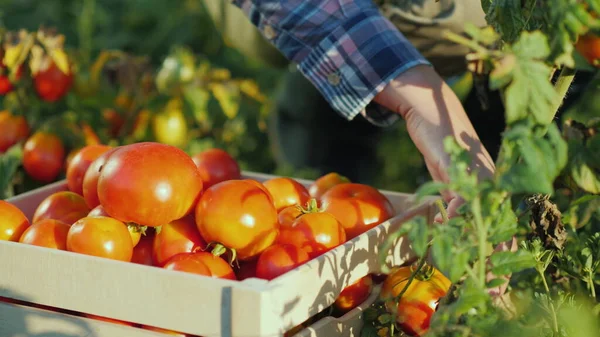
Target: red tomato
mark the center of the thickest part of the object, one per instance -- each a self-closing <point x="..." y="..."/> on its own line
<point x="47" y="233"/>
<point x="358" y="207"/>
<point x="78" y="166"/>
<point x="43" y="156"/>
<point x="114" y="120"/>
<point x="324" y="183"/>
<point x="6" y="85"/>
<point x="215" y="166"/>
<point x="65" y="206"/>
<point x="134" y="230"/>
<point x="588" y="46"/>
<point x="52" y="84"/>
<point x="246" y="269"/>
<point x="100" y="236"/>
<point x="288" y="215"/>
<point x="13" y="223"/>
<point x="142" y="252"/>
<point x="315" y="233"/>
<point x="179" y="236"/>
<point x="354" y="295"/>
<point x="287" y="192"/>
<point x="161" y="181"/>
<point x="261" y="186"/>
<point x="238" y="215"/>
<point x="13" y="129"/>
<point x="278" y="260"/>
<point x="218" y="266"/>
<point x="189" y="263"/>
<point x="420" y="300"/>
<point x="90" y="179"/>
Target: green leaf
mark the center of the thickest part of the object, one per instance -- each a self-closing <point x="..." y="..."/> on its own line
<point x="198" y="98"/>
<point x="496" y="283"/>
<point x="9" y="164"/>
<point x="419" y="237"/>
<point x="506" y="16"/>
<point x="504" y="263"/>
<point x="504" y="224"/>
<point x="428" y="189"/>
<point x="584" y="175"/>
<point x="470" y="297"/>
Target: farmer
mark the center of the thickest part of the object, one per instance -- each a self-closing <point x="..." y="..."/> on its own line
<point x="372" y="66"/>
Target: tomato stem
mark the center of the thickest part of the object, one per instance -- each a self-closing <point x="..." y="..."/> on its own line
<point x="219" y="249"/>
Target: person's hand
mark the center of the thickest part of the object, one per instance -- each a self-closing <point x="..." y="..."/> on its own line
<point x="432" y="112"/>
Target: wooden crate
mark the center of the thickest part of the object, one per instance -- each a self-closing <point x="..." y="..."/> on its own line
<point x="191" y="303"/>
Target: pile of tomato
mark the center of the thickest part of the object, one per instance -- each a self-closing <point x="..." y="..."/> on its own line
<point x="153" y="204"/>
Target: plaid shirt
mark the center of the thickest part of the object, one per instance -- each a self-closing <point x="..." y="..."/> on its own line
<point x="346" y="48"/>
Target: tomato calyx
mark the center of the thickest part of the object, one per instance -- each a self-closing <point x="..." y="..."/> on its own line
<point x="133" y="227"/>
<point x="312" y="206"/>
<point x="218" y="250"/>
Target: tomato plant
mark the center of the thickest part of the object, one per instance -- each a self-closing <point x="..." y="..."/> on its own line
<point x="215" y="166"/>
<point x="178" y="236"/>
<point x="13" y="223"/>
<point x="278" y="259"/>
<point x="43" y="156"/>
<point x="358" y="207"/>
<point x="100" y="236"/>
<point x="287" y="192"/>
<point x="161" y="180"/>
<point x="65" y="206"/>
<point x="81" y="161"/>
<point x="47" y="233"/>
<point x="248" y="212"/>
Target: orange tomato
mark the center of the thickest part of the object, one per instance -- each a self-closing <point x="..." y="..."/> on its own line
<point x="179" y="236"/>
<point x="354" y="295"/>
<point x="13" y="129"/>
<point x="47" y="233"/>
<point x="43" y="156"/>
<point x="134" y="230"/>
<point x="215" y="166"/>
<point x="358" y="207"/>
<point x="100" y="236"/>
<point x="324" y="183"/>
<point x="142" y="252"/>
<point x="65" y="206"/>
<point x="288" y="215"/>
<point x="315" y="233"/>
<point x="13" y="223"/>
<point x="90" y="179"/>
<point x="287" y="192"/>
<point x="189" y="263"/>
<point x="278" y="260"/>
<point x="238" y="215"/>
<point x="218" y="267"/>
<point x="79" y="164"/>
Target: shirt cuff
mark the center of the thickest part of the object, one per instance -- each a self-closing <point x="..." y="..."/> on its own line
<point x="356" y="61"/>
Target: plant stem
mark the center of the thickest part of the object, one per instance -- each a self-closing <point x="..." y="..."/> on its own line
<point x="414" y="274"/>
<point x="554" y="317"/>
<point x="563" y="82"/>
<point x="482" y="240"/>
<point x="590" y="282"/>
<point x="443" y="212"/>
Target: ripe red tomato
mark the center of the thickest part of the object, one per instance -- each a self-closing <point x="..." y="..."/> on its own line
<point x="114" y="120"/>
<point x="215" y="166"/>
<point x="142" y="252"/>
<point x="13" y="129"/>
<point x="588" y="46"/>
<point x="238" y="215"/>
<point x="246" y="269"/>
<point x="179" y="236"/>
<point x="315" y="233"/>
<point x="13" y="223"/>
<point x="90" y="179"/>
<point x="324" y="183"/>
<point x="358" y="207"/>
<point x="278" y="260"/>
<point x="100" y="236"/>
<point x="47" y="233"/>
<point x="65" y="206"/>
<point x="6" y="85"/>
<point x="51" y="84"/>
<point x="420" y="300"/>
<point x="160" y="180"/>
<point x="134" y="230"/>
<point x="287" y="192"/>
<point x="288" y="215"/>
<point x="79" y="164"/>
<point x="354" y="295"/>
<point x="189" y="263"/>
<point x="43" y="156"/>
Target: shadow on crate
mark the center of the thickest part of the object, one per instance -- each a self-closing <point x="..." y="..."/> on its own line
<point x="23" y="318"/>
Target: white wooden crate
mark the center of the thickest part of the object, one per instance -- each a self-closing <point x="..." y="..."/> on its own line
<point x="191" y="303"/>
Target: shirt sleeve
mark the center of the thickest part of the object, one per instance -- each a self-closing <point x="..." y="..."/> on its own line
<point x="345" y="48"/>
